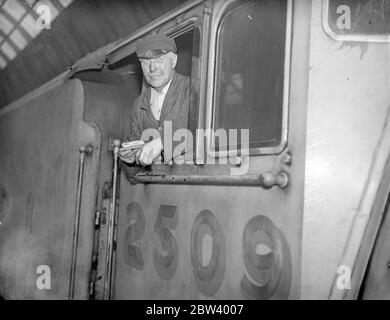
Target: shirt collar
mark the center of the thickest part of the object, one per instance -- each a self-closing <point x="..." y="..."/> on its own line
<point x="163" y="90"/>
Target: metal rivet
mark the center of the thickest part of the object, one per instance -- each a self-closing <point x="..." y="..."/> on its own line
<point x="237" y="161"/>
<point x="287" y="158"/>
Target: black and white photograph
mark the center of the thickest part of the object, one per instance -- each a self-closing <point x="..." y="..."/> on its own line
<point x="194" y="155"/>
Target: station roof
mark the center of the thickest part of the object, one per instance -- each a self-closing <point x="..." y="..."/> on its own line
<point x="18" y="24"/>
<point x="33" y="51"/>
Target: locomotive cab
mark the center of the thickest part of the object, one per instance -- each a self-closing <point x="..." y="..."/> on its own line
<point x="240" y="151"/>
<point x="145" y="227"/>
<point x="261" y="201"/>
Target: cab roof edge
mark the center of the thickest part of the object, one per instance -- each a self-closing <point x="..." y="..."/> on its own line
<point x="152" y="25"/>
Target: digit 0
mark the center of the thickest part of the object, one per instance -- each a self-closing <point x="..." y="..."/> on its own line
<point x="208" y="278"/>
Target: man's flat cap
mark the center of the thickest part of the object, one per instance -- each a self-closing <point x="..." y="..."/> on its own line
<point x="156" y="45"/>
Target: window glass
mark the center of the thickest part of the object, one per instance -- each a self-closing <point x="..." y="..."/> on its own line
<point x="250" y="71"/>
<point x="184" y="44"/>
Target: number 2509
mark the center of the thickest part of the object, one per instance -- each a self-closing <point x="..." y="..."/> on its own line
<point x="274" y="266"/>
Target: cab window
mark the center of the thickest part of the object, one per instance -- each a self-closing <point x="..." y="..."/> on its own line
<point x="250" y="67"/>
<point x="187" y="50"/>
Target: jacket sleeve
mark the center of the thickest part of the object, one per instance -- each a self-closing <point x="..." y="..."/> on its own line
<point x="134" y="131"/>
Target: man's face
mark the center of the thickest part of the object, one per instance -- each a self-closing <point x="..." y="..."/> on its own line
<point x="158" y="71"/>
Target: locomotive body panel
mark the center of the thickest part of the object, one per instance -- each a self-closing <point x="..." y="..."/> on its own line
<point x="346" y="154"/>
<point x="40" y="153"/>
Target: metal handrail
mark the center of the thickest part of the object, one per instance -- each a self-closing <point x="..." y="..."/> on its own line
<point x="107" y="293"/>
<point x="84" y="150"/>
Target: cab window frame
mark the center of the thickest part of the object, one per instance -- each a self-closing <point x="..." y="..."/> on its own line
<point x="196" y="24"/>
<point x="194" y="21"/>
<point x="211" y="105"/>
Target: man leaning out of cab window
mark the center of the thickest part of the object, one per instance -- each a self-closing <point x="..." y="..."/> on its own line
<point x="165" y="99"/>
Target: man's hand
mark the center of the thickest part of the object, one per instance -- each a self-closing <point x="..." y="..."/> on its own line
<point x="149" y="152"/>
<point x="127" y="155"/>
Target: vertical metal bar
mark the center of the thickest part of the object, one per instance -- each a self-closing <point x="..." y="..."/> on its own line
<point x="111" y="224"/>
<point x="85" y="150"/>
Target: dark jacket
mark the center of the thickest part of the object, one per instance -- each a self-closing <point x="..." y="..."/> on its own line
<point x="175" y="108"/>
